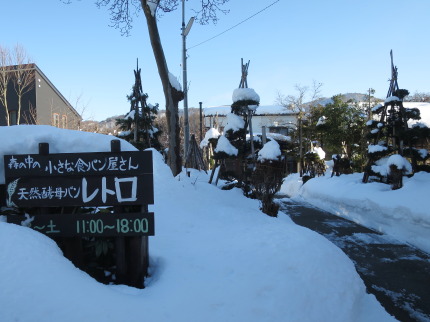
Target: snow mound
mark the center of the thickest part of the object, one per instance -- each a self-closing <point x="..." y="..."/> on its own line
<point x="402" y="213"/>
<point x="372" y="148"/>
<point x="318" y="150"/>
<point x="262" y="269"/>
<point x="234" y="123"/>
<point x="245" y="94"/>
<point x="392" y="99"/>
<point x="225" y="146"/>
<point x="400" y="163"/>
<point x="270" y="151"/>
<point x="212" y="133"/>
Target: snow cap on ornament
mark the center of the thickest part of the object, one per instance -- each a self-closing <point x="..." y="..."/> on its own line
<point x="245" y="94"/>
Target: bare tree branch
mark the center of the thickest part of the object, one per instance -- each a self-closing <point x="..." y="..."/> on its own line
<point x="5" y="76"/>
<point x="23" y="76"/>
<point x="121" y="12"/>
<point x="210" y="10"/>
<point x="316" y="90"/>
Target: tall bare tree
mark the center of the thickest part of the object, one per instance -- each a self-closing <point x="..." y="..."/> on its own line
<point x="23" y="75"/>
<point x="297" y="104"/>
<point x="121" y="17"/>
<point x="5" y="76"/>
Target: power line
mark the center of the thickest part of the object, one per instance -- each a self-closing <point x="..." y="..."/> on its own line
<point x="235" y="25"/>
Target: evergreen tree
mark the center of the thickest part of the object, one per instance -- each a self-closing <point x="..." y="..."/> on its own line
<point x="338" y="126"/>
<point x="391" y="135"/>
<point x="392" y="139"/>
<point x="245" y="102"/>
<point x="258" y="172"/>
<point x="138" y="125"/>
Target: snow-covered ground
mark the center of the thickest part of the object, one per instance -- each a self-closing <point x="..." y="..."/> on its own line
<point x="403" y="214"/>
<point x="214" y="257"/>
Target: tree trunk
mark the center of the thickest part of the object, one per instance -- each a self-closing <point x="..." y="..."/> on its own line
<point x="18" y="117"/>
<point x="3" y="99"/>
<point x="171" y="95"/>
<point x="6" y="109"/>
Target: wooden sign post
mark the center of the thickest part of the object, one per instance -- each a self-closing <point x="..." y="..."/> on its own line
<point x="97" y="179"/>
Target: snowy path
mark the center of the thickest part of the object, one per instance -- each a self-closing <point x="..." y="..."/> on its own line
<point x="397" y="274"/>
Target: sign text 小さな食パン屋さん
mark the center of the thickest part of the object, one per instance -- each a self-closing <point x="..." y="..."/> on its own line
<point x="79" y="179"/>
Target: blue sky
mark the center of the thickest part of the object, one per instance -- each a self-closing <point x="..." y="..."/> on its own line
<point x="341" y="43"/>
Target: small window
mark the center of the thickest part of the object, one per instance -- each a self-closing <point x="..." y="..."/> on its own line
<point x="280" y="130"/>
<point x="64" y="121"/>
<point x="56" y="120"/>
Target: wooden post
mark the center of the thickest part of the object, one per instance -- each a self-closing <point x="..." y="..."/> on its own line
<point x="115" y="146"/>
<point x="43" y="148"/>
<point x="213" y="171"/>
<point x="263" y="130"/>
<point x="145" y="248"/>
<point x="72" y="246"/>
<point x="132" y="256"/>
<point x="120" y="256"/>
<point x="251" y="134"/>
<point x="138" y="258"/>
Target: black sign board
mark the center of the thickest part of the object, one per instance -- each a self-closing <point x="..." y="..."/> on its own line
<point x="79" y="179"/>
<point x="64" y="225"/>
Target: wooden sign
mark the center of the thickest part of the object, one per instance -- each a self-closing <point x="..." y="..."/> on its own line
<point x="117" y="178"/>
<point x="64" y="225"/>
<point x="79" y="179"/>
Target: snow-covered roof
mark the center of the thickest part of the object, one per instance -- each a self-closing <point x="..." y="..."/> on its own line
<point x="261" y="110"/>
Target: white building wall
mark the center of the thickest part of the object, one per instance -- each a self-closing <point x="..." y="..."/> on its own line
<point x="266" y="115"/>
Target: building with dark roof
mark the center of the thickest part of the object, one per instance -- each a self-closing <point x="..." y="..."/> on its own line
<point x="41" y="103"/>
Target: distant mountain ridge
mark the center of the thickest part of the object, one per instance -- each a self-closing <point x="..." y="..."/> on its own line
<point x="107" y="126"/>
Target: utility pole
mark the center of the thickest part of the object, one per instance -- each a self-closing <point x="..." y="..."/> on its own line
<point x="300" y="147"/>
<point x="185" y="31"/>
<point x="201" y="122"/>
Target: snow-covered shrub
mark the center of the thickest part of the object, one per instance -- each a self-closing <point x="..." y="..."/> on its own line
<point x="224" y="149"/>
<point x="397" y="166"/>
<point x="341" y="165"/>
<point x="267" y="177"/>
<point x="314" y="164"/>
<point x="242" y="98"/>
<point x="270" y="152"/>
<point x="211" y="134"/>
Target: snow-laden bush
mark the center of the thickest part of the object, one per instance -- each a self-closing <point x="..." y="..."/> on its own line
<point x="270" y="152"/>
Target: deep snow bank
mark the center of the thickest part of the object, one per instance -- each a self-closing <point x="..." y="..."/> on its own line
<point x="401" y="213"/>
<point x="214" y="257"/>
